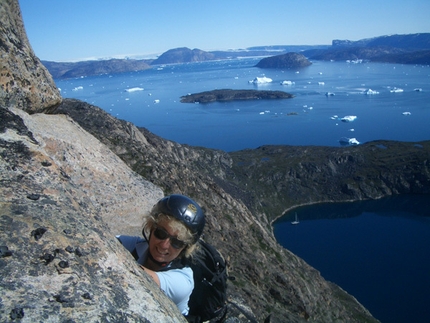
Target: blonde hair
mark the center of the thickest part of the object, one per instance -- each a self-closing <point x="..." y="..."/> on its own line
<point x="184" y="234"/>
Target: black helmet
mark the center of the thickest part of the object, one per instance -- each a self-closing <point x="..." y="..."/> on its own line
<point x="183" y="209"/>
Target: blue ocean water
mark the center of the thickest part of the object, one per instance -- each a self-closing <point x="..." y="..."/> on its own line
<point x="151" y="99"/>
<point x="377" y="251"/>
<point x="238" y="125"/>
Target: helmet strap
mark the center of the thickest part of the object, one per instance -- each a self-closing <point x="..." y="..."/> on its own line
<point x="158" y="263"/>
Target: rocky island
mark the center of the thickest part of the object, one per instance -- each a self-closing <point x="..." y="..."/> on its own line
<point x="231" y="95"/>
<point x="289" y="60"/>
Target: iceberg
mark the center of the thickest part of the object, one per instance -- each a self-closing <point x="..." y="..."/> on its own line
<point x="156" y="101"/>
<point x="78" y="88"/>
<point x="287" y="83"/>
<point x="261" y="80"/>
<point x="348" y="118"/>
<point x="406" y="113"/>
<point x="134" y="89"/>
<point x="418" y="89"/>
<point x="396" y="90"/>
<point x="329" y="94"/>
<point x="371" y="92"/>
<point x="348" y="141"/>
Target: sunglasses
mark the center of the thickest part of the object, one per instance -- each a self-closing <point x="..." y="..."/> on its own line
<point x="162" y="234"/>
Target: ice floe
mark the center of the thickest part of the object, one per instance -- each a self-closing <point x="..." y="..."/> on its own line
<point x="287" y="83"/>
<point x="261" y="80"/>
<point x="349" y="141"/>
<point x="348" y="118"/>
<point x="134" y="89"/>
<point x="370" y="92"/>
<point x="396" y="90"/>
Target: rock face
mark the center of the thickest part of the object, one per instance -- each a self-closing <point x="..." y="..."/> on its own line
<point x="232" y="95"/>
<point x="59" y="259"/>
<point x="289" y="60"/>
<point x="25" y="82"/>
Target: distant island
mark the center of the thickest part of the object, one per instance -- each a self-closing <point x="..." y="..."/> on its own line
<point x="231" y="95"/>
<point x="400" y="49"/>
<point x="289" y="60"/>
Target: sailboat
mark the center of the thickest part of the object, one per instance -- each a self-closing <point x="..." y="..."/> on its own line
<point x="296" y="221"/>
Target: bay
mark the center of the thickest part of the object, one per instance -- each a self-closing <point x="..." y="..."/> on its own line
<point x="307" y="119"/>
<point x="375" y="250"/>
<point x="151" y="99"/>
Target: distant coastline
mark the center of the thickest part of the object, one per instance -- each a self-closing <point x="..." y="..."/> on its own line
<point x="401" y="49"/>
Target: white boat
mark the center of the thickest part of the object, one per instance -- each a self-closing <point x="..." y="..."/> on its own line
<point x="296" y="221"/>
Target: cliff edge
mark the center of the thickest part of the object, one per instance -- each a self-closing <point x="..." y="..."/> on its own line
<point x="25" y="82"/>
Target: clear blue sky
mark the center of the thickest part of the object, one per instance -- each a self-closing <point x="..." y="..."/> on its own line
<point x="66" y="30"/>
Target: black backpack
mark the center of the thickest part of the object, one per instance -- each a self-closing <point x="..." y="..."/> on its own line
<point x="209" y="297"/>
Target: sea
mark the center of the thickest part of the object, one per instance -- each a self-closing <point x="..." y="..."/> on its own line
<point x="375" y="252"/>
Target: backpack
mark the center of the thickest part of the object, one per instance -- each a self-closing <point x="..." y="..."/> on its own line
<point x="209" y="297"/>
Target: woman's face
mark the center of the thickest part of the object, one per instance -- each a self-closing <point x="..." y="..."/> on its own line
<point x="162" y="250"/>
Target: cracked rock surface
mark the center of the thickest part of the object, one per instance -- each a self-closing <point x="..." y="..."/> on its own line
<point x="59" y="258"/>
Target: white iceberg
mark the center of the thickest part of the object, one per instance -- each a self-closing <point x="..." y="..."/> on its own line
<point x="287" y="83"/>
<point x="156" y="101"/>
<point x="334" y="117"/>
<point x="329" y="94"/>
<point x="396" y="90"/>
<point x="349" y="141"/>
<point x="134" y="89"/>
<point x="261" y="80"/>
<point x="371" y="92"/>
<point x="321" y="83"/>
<point x="78" y="88"/>
<point x="406" y="113"/>
<point x="348" y="118"/>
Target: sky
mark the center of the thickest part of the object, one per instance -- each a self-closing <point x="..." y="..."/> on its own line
<point x="74" y="30"/>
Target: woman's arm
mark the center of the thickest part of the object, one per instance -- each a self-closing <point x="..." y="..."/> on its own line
<point x="153" y="274"/>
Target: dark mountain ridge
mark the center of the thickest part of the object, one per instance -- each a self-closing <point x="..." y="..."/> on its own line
<point x="410" y="42"/>
<point x="401" y="49"/>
